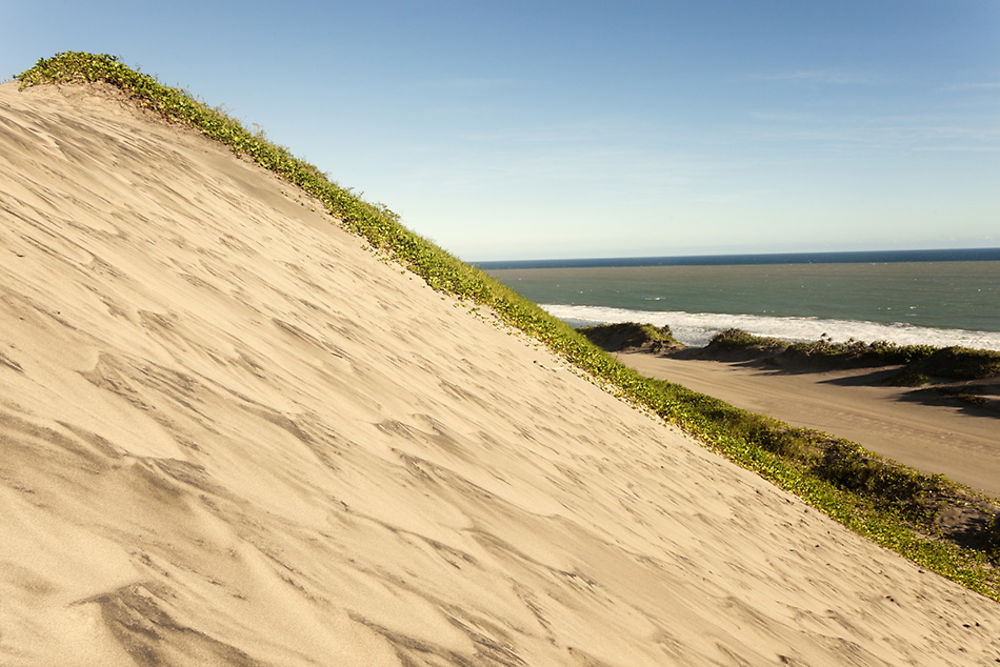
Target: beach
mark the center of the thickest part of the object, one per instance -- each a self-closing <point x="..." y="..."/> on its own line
<point x="940" y="303"/>
<point x="959" y="441"/>
<point x="233" y="434"/>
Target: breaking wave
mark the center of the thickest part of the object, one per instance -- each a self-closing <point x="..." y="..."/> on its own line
<point x="698" y="328"/>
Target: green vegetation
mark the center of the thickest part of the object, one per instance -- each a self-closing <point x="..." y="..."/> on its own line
<point x="920" y="361"/>
<point x="631" y="335"/>
<point x="853" y="352"/>
<point x="961" y="363"/>
<point x="737" y="339"/>
<point x="908" y="378"/>
<point x="893" y="505"/>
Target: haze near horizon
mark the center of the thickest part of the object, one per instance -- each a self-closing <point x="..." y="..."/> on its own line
<point x="524" y="130"/>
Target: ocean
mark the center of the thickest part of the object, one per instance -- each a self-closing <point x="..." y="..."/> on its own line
<point x="940" y="297"/>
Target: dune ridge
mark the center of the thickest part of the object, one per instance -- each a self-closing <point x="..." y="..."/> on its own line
<point x="232" y="435"/>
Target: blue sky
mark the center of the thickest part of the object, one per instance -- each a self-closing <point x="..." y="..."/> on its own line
<point x="510" y="130"/>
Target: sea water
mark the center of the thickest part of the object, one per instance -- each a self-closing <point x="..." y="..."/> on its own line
<point x="921" y="297"/>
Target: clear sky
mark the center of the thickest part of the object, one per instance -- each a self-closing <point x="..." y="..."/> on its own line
<point x="545" y="129"/>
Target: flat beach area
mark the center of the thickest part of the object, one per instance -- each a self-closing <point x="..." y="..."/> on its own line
<point x="961" y="442"/>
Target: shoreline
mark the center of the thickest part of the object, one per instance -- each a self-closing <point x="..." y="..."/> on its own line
<point x="957" y="441"/>
<point x="696" y="329"/>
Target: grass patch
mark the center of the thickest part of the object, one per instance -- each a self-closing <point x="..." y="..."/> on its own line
<point x="893" y="505"/>
<point x="908" y="378"/>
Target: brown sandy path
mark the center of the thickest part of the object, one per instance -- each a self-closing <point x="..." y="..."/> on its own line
<point x="230" y="435"/>
<point x="933" y="438"/>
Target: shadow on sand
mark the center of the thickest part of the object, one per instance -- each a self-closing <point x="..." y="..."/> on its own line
<point x="978" y="398"/>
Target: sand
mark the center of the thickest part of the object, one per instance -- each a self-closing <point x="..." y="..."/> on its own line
<point x="960" y="442"/>
<point x="230" y="434"/>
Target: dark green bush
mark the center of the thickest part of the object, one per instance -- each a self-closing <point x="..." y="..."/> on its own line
<point x="886" y="484"/>
<point x="961" y="363"/>
<point x="625" y="335"/>
<point x="908" y="378"/>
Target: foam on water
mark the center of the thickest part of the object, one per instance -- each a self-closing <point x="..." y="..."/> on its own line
<point x="698" y="328"/>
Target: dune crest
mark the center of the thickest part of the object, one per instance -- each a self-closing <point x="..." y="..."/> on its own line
<point x="230" y="434"/>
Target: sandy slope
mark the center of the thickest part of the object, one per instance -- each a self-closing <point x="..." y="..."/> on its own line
<point x="231" y="435"/>
<point x="960" y="443"/>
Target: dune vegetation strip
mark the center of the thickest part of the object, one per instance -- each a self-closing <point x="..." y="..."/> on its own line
<point x="918" y="361"/>
<point x="895" y="506"/>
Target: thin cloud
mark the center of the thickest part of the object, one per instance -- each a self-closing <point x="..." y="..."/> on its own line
<point x="917" y="131"/>
<point x="816" y="76"/>
<point x="555" y="134"/>
<point x="465" y="83"/>
<point x="970" y="148"/>
<point x="974" y="86"/>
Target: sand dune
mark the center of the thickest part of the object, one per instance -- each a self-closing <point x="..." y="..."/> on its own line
<point x="231" y="435"/>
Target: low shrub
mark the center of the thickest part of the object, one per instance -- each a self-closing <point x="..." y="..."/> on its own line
<point x="628" y="335"/>
<point x="961" y="363"/>
<point x="908" y="378"/>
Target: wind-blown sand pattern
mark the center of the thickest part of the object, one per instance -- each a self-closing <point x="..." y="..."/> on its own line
<point x="230" y="434"/>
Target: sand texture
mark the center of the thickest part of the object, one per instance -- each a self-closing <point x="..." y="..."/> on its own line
<point x="963" y="443"/>
<point x="230" y="435"/>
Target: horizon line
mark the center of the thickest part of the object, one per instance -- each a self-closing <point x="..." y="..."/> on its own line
<point x="824" y="256"/>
